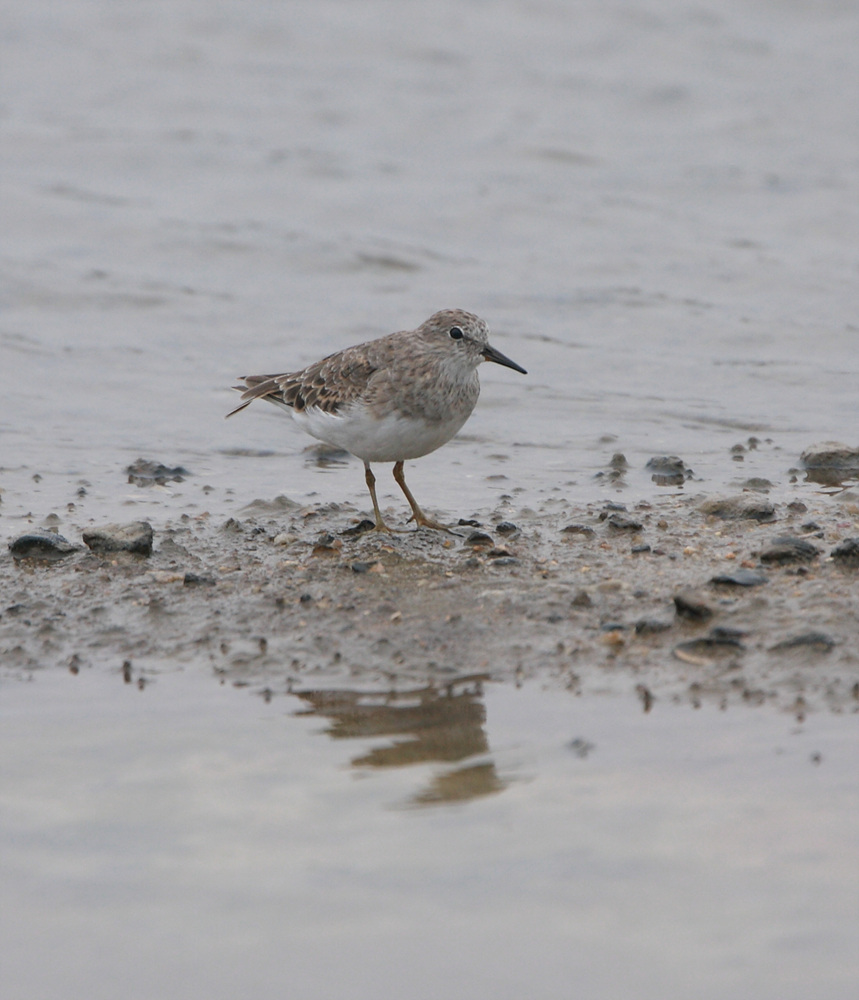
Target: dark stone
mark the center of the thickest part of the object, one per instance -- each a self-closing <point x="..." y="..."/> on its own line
<point x="820" y="642"/>
<point x="41" y="546"/>
<point x="726" y="632"/>
<point x="359" y="528"/>
<point x="468" y="522"/>
<point x="479" y="538"/>
<point x="582" y="600"/>
<point x="741" y="508"/>
<point x="651" y="626"/>
<point x="637" y="549"/>
<point x="668" y="470"/>
<point x="279" y="505"/>
<point x="665" y="463"/>
<point x="692" y="607"/>
<point x="621" y="522"/>
<point x="506" y="528"/>
<point x="831" y="455"/>
<point x="786" y="549"/>
<point x="611" y="506"/>
<point x="146" y="473"/>
<point x="578" y="529"/>
<point x="327" y="545"/>
<point x="134" y="537"/>
<point x="830" y="463"/>
<point x="847" y="552"/>
<point x="710" y="644"/>
<point x="645" y="696"/>
<point x="581" y="748"/>
<point x="740" y="578"/>
<point x="195" y="580"/>
<point x="757" y="483"/>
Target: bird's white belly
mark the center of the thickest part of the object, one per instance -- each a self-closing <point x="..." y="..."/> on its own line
<point x="390" y="438"/>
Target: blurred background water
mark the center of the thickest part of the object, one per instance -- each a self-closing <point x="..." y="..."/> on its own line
<point x="655" y="206"/>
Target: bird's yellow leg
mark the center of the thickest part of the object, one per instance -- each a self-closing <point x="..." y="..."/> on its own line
<point x="371" y="486"/>
<point x="418" y="516"/>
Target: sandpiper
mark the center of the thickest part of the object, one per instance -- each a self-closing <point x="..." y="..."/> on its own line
<point x="389" y="400"/>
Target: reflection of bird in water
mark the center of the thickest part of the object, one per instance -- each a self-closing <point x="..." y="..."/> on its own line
<point x="436" y="726"/>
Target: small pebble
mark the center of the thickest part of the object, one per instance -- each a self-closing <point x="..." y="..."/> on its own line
<point x="479" y="538"/>
<point x="581" y="748"/>
<point x="740" y="578"/>
<point x="651" y="626"/>
<point x="357" y="529"/>
<point x="364" y="567"/>
<point x="741" y="508"/>
<point x="620" y="522"/>
<point x="41" y="546"/>
<point x="135" y="537"/>
<point x="690" y="606"/>
<point x="578" y="529"/>
<point x="786" y="548"/>
<point x="818" y="641"/>
<point x="847" y="552"/>
<point x="146" y="473"/>
<point x="668" y="470"/>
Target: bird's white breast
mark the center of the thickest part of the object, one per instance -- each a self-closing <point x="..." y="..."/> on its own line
<point x="389" y="438"/>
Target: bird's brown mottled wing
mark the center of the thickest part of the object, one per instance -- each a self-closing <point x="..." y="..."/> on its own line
<point x="327" y="385"/>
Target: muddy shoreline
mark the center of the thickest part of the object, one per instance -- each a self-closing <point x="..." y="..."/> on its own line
<point x="596" y="598"/>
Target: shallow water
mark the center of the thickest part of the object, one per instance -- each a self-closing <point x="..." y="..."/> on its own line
<point x="195" y="834"/>
<point x="656" y="208"/>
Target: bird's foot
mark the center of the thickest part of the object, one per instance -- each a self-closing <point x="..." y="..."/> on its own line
<point x="422" y="521"/>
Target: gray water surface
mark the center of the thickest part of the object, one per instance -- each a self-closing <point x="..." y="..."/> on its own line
<point x="191" y="840"/>
<point x="655" y="206"/>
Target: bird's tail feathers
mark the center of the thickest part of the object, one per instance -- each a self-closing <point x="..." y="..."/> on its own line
<point x="256" y="387"/>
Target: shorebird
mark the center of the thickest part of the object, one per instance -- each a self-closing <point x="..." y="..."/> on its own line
<point x="390" y="400"/>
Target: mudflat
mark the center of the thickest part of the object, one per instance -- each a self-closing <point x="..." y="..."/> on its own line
<point x="690" y="598"/>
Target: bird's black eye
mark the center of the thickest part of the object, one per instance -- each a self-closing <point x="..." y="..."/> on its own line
<point x="456" y="333"/>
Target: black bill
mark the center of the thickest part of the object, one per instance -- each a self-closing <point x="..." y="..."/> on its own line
<point x="490" y="354"/>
